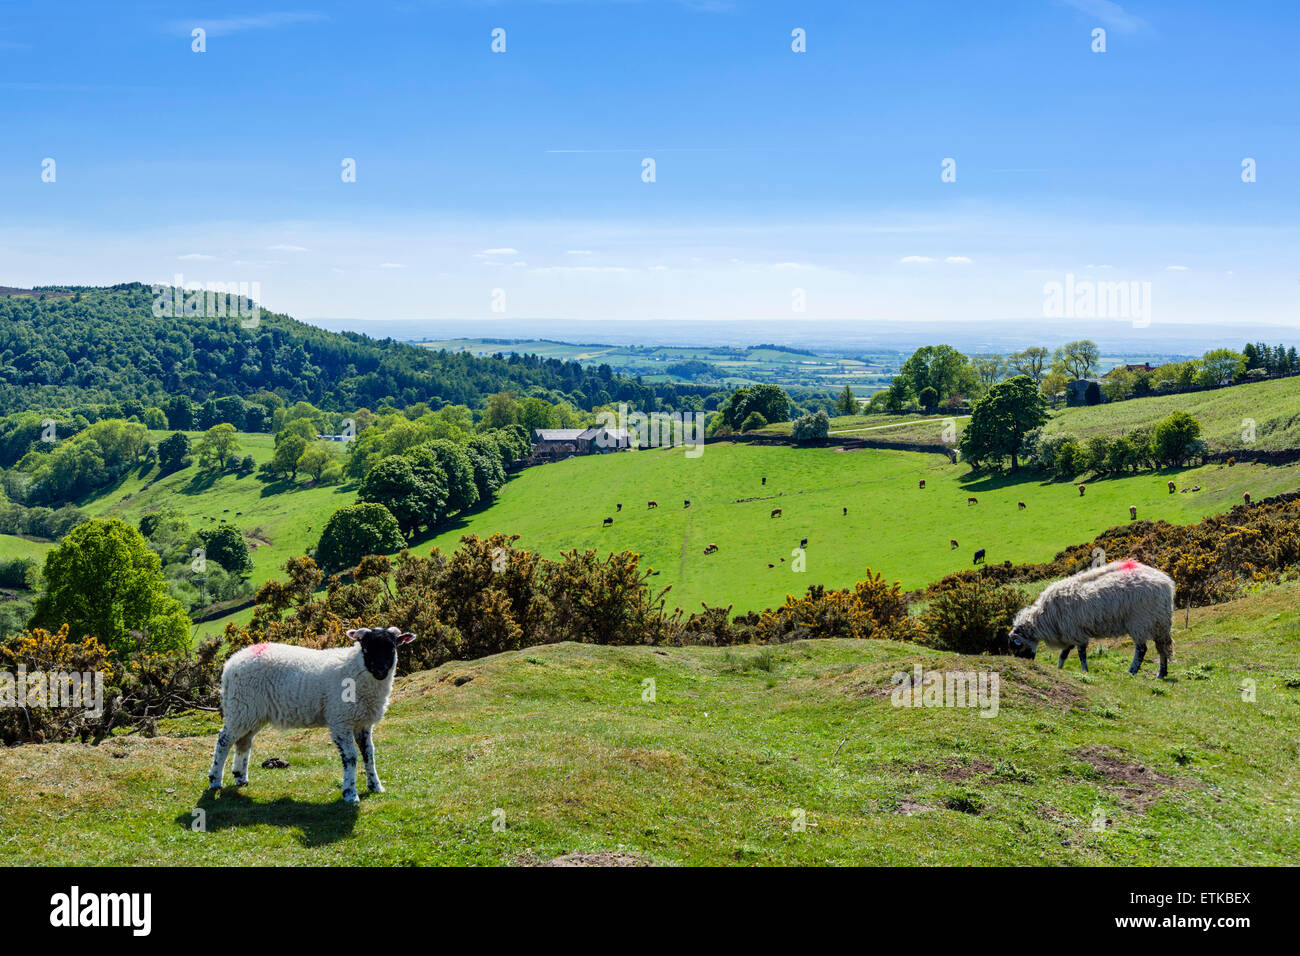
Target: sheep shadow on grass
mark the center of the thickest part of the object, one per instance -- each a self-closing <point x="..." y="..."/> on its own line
<point x="317" y="823"/>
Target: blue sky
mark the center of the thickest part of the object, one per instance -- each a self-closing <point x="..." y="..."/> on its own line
<point x="776" y="171"/>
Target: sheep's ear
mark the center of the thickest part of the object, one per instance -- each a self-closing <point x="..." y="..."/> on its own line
<point x="355" y="633"/>
<point x="406" y="638"/>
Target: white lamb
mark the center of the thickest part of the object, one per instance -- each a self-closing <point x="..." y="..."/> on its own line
<point x="1123" y="597"/>
<point x="343" y="688"/>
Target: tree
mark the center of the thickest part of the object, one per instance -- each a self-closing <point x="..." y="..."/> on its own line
<point x="218" y="444"/>
<point x="940" y="367"/>
<point x="989" y="368"/>
<point x="1000" y="420"/>
<point x="811" y="427"/>
<point x="1176" y="439"/>
<point x="1053" y="384"/>
<point x="450" y="459"/>
<point x="488" y="458"/>
<point x="1222" y="366"/>
<point x="103" y="580"/>
<point x="752" y="422"/>
<point x="1078" y="359"/>
<point x="314" y="460"/>
<point x="288" y="450"/>
<point x="770" y="402"/>
<point x="899" y="394"/>
<point x="172" y="451"/>
<point x="414" y="499"/>
<point x="356" y="531"/>
<point x="846" y="404"/>
<point x="1031" y="362"/>
<point x="929" y="399"/>
<point x="226" y="546"/>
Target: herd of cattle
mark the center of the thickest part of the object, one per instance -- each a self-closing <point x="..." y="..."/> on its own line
<point x="979" y="557"/>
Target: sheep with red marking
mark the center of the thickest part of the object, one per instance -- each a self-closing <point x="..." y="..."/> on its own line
<point x="342" y="688"/>
<point x="1123" y="597"/>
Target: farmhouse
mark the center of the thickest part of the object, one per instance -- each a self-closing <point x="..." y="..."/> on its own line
<point x="1083" y="391"/>
<point x="553" y="444"/>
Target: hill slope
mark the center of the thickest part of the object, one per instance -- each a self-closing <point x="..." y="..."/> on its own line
<point x="557" y="743"/>
<point x="892" y="526"/>
<point x="67" y="346"/>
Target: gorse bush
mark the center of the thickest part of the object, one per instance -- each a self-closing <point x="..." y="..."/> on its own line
<point x="972" y="616"/>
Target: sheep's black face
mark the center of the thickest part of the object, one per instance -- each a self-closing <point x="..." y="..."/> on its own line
<point x="379" y="648"/>
<point x="1022" y="642"/>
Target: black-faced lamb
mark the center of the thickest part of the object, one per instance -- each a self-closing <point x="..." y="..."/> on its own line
<point x="1123" y="597"/>
<point x="343" y="688"/>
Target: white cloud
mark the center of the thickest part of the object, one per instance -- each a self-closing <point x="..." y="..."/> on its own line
<point x="1109" y="13"/>
<point x="264" y="21"/>
<point x="1175" y="268"/>
<point x="392" y="265"/>
<point x="503" y="251"/>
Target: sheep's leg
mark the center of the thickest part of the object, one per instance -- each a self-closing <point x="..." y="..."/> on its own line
<point x="1060" y="661"/>
<point x="1139" y="652"/>
<point x="366" y="744"/>
<point x="348" y="751"/>
<point x="1165" y="647"/>
<point x="243" y="753"/>
<point x="1083" y="658"/>
<point x="224" y="740"/>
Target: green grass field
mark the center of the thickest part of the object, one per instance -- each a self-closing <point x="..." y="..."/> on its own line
<point x="558" y="744"/>
<point x="892" y="526"/>
<point x="1273" y="406"/>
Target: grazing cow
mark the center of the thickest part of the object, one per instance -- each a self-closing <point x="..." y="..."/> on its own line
<point x="1132" y="512"/>
<point x="652" y="504"/>
<point x="776" y="513"/>
<point x="771" y="565"/>
<point x="1196" y="487"/>
<point x="619" y="506"/>
<point x="710" y="549"/>
<point x="1082" y="488"/>
<point x="686" y="503"/>
<point x="972" y="501"/>
<point x="1171" y="487"/>
<point x="1020" y="505"/>
<point x="979" y="556"/>
<point x="607" y="522"/>
<point x="952" y="544"/>
<point x="803" y="543"/>
<point x="1246" y="497"/>
<point x="846" y="510"/>
<point x="765" y="479"/>
<point x="922" y="485"/>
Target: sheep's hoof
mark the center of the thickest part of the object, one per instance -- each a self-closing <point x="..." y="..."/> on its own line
<point x="241" y="783"/>
<point x="214" y="784"/>
<point x="351" y="797"/>
<point x="376" y="787"/>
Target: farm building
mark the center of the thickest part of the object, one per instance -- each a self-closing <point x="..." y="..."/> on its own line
<point x="552" y="444"/>
<point x="1083" y="391"/>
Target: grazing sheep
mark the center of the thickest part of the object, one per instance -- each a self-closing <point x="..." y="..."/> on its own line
<point x="1246" y="497"/>
<point x="1132" y="512"/>
<point x="972" y="501"/>
<point x="776" y="513"/>
<point x="343" y="688"/>
<point x="1196" y="487"/>
<point x="979" y="557"/>
<point x="803" y="543"/>
<point x="1123" y="597"/>
<point x="607" y="522"/>
<point x="952" y="544"/>
<point x="1082" y="488"/>
<point x="1172" y="487"/>
<point x="652" y="504"/>
<point x="922" y="485"/>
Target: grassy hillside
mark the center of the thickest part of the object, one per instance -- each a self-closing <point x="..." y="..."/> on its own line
<point x="559" y="740"/>
<point x="1274" y="406"/>
<point x="892" y="526"/>
<point x="15" y="546"/>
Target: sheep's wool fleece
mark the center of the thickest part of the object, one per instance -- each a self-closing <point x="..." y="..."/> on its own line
<point x="289" y="686"/>
<point x="1123" y="597"/>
